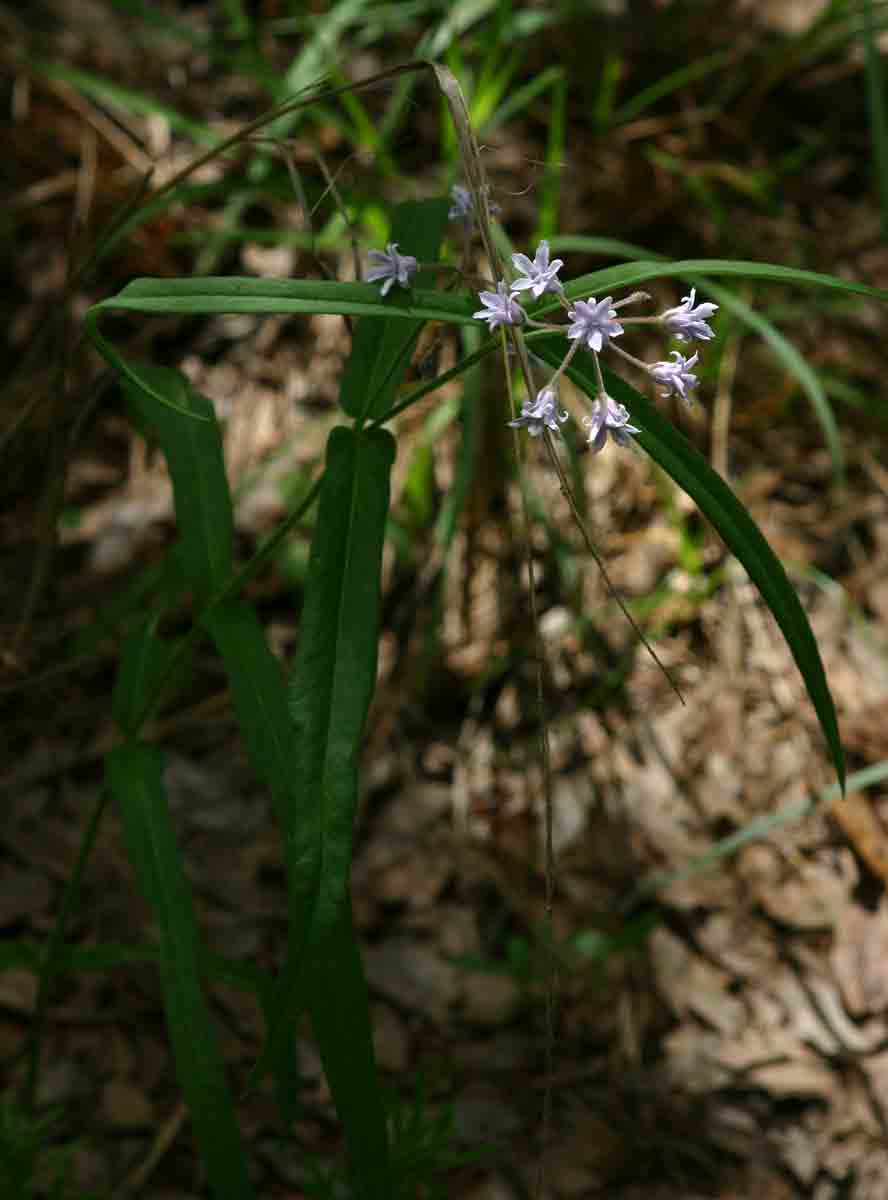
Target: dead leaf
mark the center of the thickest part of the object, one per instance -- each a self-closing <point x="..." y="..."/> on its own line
<point x="859" y="958"/>
<point x="855" y="816"/>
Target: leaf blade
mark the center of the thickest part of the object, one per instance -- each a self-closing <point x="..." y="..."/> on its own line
<point x="331" y="685"/>
<point x="193" y="451"/>
<point x="135" y="780"/>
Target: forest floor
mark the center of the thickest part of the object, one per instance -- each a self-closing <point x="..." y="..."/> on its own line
<point x="721" y="1026"/>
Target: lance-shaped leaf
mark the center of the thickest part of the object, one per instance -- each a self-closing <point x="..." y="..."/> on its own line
<point x="214" y="294"/>
<point x="334" y="672"/>
<point x="259" y="697"/>
<point x="134" y="777"/>
<point x="666" y="446"/>
<point x="193" y="451"/>
<point x="144" y="665"/>
<point x="331" y="686"/>
<point x="336" y="994"/>
<point x="381" y="350"/>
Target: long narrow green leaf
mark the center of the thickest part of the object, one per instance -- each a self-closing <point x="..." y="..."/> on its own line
<point x="336" y="992"/>
<point x="134" y="777"/>
<point x="627" y="274"/>
<point x="203" y="511"/>
<point x="381" y="350"/>
<point x="331" y="686"/>
<point x="193" y="451"/>
<point x="673" y="82"/>
<point x="717" y="502"/>
<point x="128" y="99"/>
<point x="144" y="661"/>
<point x="259" y="696"/>
<point x="210" y="294"/>
<point x="319" y="47"/>
<point x="334" y="672"/>
<point x="222" y="294"/>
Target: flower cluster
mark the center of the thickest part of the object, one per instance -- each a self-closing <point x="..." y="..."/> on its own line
<point x="595" y="325"/>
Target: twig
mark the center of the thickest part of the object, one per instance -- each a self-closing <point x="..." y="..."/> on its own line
<point x="166" y="1135"/>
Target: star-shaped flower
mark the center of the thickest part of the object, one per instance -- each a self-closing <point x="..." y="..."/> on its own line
<point x="594" y="322"/>
<point x="676" y="376"/>
<point x="608" y="417"/>
<point x="500" y="308"/>
<point x="538" y="276"/>
<point x="390" y="267"/>
<point x="540" y="414"/>
<point x="688" y="322"/>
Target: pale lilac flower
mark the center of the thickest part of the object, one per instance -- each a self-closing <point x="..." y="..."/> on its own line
<point x="540" y="414"/>
<point x="594" y="323"/>
<point x="538" y="276"/>
<point x="390" y="267"/>
<point x="688" y="322"/>
<point x="500" y="308"/>
<point x="462" y="205"/>
<point x="676" y="376"/>
<point x="608" y="417"/>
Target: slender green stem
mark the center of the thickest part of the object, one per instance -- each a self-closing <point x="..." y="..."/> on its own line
<point x="432" y="386"/>
<point x="549" y="852"/>
<point x="599" y="562"/>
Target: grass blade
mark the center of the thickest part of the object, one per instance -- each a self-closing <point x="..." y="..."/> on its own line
<point x="757" y="830"/>
<point x="97" y="87"/>
<point x="795" y="364"/>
